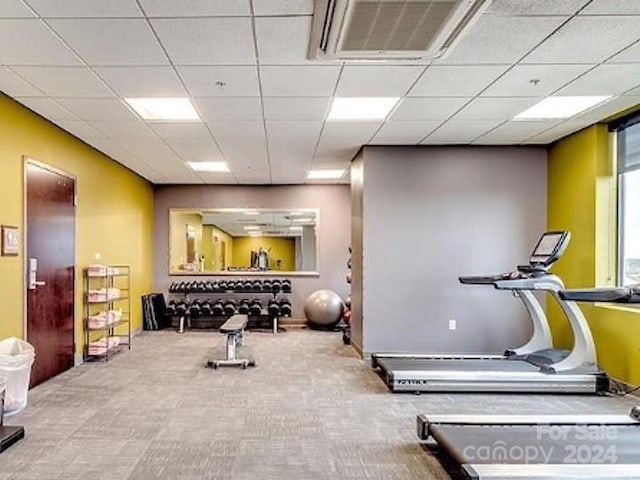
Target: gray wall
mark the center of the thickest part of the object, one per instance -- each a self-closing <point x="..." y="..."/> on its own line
<point x="333" y="228"/>
<point x="431" y="214"/>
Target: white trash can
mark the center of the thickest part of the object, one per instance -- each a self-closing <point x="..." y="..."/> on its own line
<point x="16" y="358"/>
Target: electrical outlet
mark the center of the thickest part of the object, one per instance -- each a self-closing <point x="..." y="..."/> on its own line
<point x="453" y="324"/>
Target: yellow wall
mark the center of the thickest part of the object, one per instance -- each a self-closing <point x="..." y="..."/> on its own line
<point x="114" y="214"/>
<point x="178" y="223"/>
<point x="581" y="198"/>
<point x="282" y="248"/>
<point x="212" y="238"/>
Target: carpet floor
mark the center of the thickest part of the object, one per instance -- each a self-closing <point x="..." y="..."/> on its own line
<point x="310" y="410"/>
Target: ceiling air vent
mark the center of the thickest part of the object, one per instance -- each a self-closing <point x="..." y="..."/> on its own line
<point x="389" y="29"/>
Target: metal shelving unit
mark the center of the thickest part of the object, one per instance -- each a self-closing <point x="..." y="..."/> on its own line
<point x="107" y="311"/>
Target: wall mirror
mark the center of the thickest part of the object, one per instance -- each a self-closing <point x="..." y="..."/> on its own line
<point x="242" y="241"/>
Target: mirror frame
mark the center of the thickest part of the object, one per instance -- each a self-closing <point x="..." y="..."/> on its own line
<point x="226" y="273"/>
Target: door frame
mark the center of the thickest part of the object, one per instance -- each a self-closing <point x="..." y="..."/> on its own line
<point x="27" y="160"/>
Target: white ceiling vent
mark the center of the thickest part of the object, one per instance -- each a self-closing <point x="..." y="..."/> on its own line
<point x="389" y="29"/>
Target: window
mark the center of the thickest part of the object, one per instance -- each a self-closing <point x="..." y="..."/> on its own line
<point x="629" y="202"/>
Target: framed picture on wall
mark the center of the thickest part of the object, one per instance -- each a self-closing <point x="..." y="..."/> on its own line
<point x="10" y="240"/>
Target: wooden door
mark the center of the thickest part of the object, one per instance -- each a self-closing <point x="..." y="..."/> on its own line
<point x="50" y="270"/>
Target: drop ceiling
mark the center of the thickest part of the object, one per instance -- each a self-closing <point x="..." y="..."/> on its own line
<point x="264" y="104"/>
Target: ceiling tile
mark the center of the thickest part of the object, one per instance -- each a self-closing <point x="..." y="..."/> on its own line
<point x="608" y="79"/>
<point x="630" y="55"/>
<point x="534" y="80"/>
<point x="111" y="41"/>
<point x="90" y="109"/>
<point x="460" y="131"/>
<point x="494" y="108"/>
<point x="283" y="40"/>
<point x="204" y="41"/>
<point x="460" y="81"/>
<point x="243" y="143"/>
<point x="514" y="132"/>
<point x="612" y="107"/>
<point x="192" y="141"/>
<point x="47" y="108"/>
<point x="350" y="130"/>
<point x="65" y="81"/>
<point x="195" y="8"/>
<point x="617" y="7"/>
<point x="292" y="140"/>
<point x="537" y="7"/>
<point x="587" y="40"/>
<point x="312" y="81"/>
<point x="85" y="8"/>
<point x="218" y="178"/>
<point x="288" y="131"/>
<point x="239" y="81"/>
<point x="142" y="81"/>
<point x="557" y="132"/>
<point x="229" y="108"/>
<point x="295" y="108"/>
<point x="428" y="108"/>
<point x="14" y="9"/>
<point x="633" y="92"/>
<point x="502" y="39"/>
<point x="80" y="129"/>
<point x="282" y="7"/>
<point x="374" y="81"/>
<point x="403" y="133"/>
<point x="334" y="152"/>
<point x="30" y="42"/>
<point x="14" y="86"/>
<point x="124" y="130"/>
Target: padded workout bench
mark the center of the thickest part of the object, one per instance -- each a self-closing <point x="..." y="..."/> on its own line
<point x="234" y="329"/>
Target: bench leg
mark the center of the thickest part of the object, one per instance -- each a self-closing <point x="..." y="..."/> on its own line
<point x="232" y="341"/>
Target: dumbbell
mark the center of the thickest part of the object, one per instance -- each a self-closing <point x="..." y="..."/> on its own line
<point x="216" y="286"/>
<point x="171" y="308"/>
<point x="208" y="286"/>
<point x="347" y="302"/>
<point x="256" y="307"/>
<point x="194" y="309"/>
<point x="230" y="307"/>
<point x="231" y="285"/>
<point x="181" y="308"/>
<point x="243" y="308"/>
<point x="256" y="286"/>
<point x="285" y="308"/>
<point x="276" y="286"/>
<point x="273" y="308"/>
<point x="218" y="308"/>
<point x="286" y="286"/>
<point x="206" y="309"/>
<point x="246" y="286"/>
<point x="349" y="263"/>
<point x="349" y="276"/>
<point x="266" y="286"/>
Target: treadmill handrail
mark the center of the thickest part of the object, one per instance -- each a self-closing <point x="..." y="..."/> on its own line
<point x="605" y="294"/>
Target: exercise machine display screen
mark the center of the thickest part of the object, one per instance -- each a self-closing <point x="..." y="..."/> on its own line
<point x="548" y="245"/>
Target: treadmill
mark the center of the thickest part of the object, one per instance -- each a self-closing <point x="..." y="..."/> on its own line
<point x="500" y="447"/>
<point x="533" y="368"/>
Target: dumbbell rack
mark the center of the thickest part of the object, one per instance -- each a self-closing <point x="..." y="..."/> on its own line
<point x="214" y="321"/>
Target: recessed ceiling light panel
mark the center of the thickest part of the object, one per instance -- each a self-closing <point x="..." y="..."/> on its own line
<point x="164" y="109"/>
<point x="561" y="107"/>
<point x="219" y="167"/>
<point x="334" y="174"/>
<point x="361" y="108"/>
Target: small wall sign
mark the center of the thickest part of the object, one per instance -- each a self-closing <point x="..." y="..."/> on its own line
<point x="10" y="241"/>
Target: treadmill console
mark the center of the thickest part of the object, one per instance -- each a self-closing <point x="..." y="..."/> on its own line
<point x="549" y="248"/>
